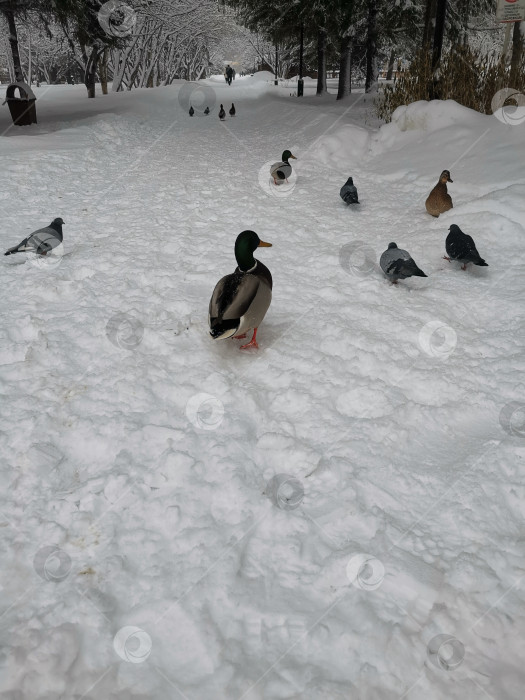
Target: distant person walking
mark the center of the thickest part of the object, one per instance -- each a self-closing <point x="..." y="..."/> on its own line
<point x="233" y="73"/>
<point x="229" y="74"/>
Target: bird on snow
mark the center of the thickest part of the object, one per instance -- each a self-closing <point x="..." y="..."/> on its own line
<point x="41" y="241"/>
<point x="348" y="192"/>
<point x="192" y="111"/>
<point x="439" y="200"/>
<point x="232" y="110"/>
<point x="222" y="114"/>
<point x="282" y="170"/>
<point x="240" y="301"/>
<point x="207" y="110"/>
<point x="461" y="247"/>
<point x="398" y="265"/>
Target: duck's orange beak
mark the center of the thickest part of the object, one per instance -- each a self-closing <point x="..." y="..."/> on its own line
<point x="262" y="244"/>
<point x="293" y="157"/>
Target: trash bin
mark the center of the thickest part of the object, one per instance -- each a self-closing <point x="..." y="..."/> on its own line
<point x="23" y="110"/>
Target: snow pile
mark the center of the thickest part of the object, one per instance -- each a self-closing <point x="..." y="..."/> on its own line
<point x="152" y="546"/>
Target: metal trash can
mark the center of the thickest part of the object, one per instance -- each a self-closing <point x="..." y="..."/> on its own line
<point x="23" y="109"/>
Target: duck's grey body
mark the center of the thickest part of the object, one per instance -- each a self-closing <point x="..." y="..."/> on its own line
<point x="281" y="170"/>
<point x="240" y="301"/>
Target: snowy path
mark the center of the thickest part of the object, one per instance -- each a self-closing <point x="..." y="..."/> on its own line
<point x="391" y="428"/>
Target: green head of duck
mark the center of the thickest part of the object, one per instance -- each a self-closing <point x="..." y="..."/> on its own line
<point x="245" y="245"/>
<point x="287" y="155"/>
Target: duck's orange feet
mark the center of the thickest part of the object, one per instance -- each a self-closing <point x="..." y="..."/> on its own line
<point x="463" y="267"/>
<point x="252" y="343"/>
<point x="445" y="258"/>
<point x="239" y="337"/>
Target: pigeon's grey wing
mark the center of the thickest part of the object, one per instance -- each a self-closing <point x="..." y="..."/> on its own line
<point x="44" y="240"/>
<point x="390" y="257"/>
<point x="459" y="246"/>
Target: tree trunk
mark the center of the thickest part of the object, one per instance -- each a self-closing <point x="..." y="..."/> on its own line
<point x="345" y="87"/>
<point x="91" y="72"/>
<point x="13" y="41"/>
<point x="321" y="62"/>
<point x="439" y="31"/>
<point x="103" y="71"/>
<point x="428" y="22"/>
<point x="371" y="46"/>
<point x="465" y="18"/>
<point x="517" y="51"/>
<point x="391" y="62"/>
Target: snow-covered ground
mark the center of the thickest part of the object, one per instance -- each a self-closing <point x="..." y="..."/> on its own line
<point x="149" y="551"/>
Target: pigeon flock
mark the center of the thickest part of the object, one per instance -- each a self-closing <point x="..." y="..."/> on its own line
<point x="240" y="300"/>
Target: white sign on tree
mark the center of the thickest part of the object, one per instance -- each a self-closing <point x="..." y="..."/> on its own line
<point x="510" y="11"/>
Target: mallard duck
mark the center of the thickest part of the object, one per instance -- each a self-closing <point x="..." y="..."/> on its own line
<point x="439" y="200"/>
<point x="398" y="265"/>
<point x="240" y="301"/>
<point x="462" y="248"/>
<point x="282" y="171"/>
<point x="192" y="111"/>
<point x="207" y="110"/>
<point x="232" y="110"/>
<point x="222" y="113"/>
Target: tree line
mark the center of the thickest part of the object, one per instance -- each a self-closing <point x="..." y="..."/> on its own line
<point x="352" y="36"/>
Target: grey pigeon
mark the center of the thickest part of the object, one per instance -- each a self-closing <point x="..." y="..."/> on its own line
<point x="192" y="111"/>
<point x="461" y="247"/>
<point x="348" y="192"/>
<point x="41" y="241"/>
<point x="207" y="110"/>
<point x="398" y="265"/>
<point x="222" y="113"/>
